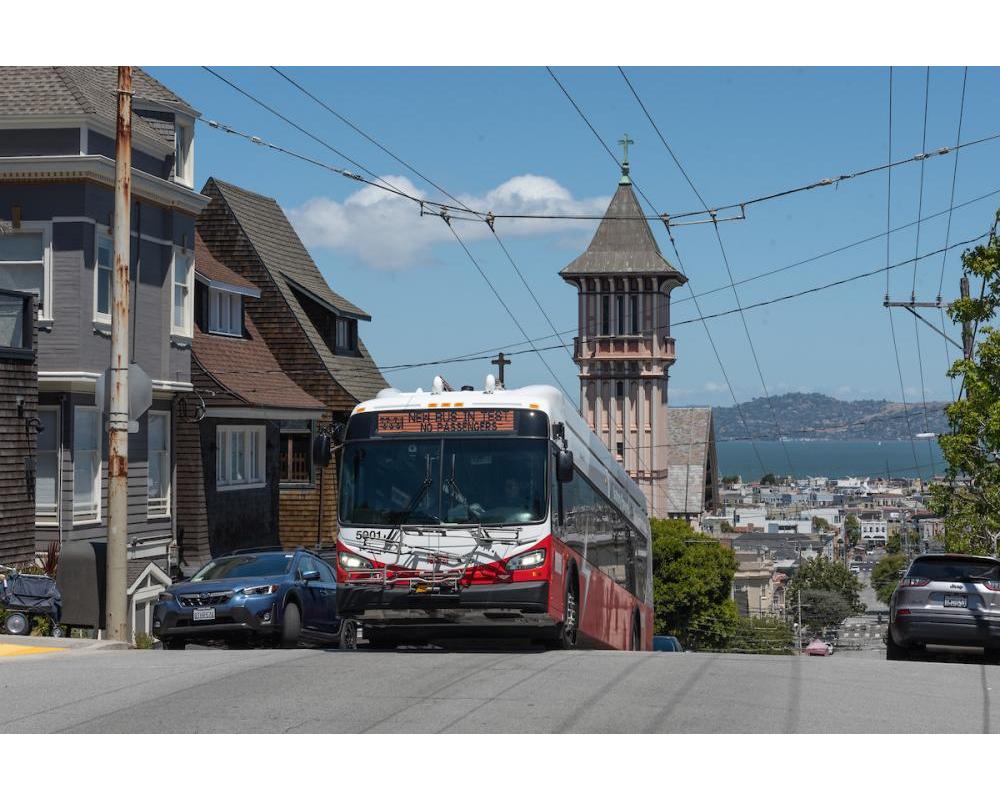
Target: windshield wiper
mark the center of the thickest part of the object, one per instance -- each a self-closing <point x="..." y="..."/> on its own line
<point x="459" y="494"/>
<point x="417" y="498"/>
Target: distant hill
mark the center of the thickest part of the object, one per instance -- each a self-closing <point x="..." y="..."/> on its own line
<point x="816" y="416"/>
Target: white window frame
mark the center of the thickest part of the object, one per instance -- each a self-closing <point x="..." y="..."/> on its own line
<point x="255" y="445"/>
<point x="45" y="309"/>
<point x="50" y="519"/>
<point x="184" y="163"/>
<point x="78" y="518"/>
<point x="103" y="233"/>
<point x="159" y="506"/>
<point x="186" y="329"/>
<point x="217" y="298"/>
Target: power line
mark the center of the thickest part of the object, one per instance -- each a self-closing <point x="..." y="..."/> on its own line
<point x="913" y="295"/>
<point x="398" y="191"/>
<point x="506" y="308"/>
<point x="725" y="259"/>
<point x="892" y="326"/>
<point x="680" y="265"/>
<point x="947" y="233"/>
<point x="842" y="248"/>
<point x="437" y="186"/>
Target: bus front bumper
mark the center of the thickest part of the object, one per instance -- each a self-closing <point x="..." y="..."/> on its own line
<point x="491" y="611"/>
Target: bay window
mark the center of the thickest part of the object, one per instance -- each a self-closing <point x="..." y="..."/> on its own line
<point x="158" y="475"/>
<point x="47" y="468"/>
<point x="104" y="270"/>
<point x="86" y="464"/>
<point x="181" y="298"/>
<point x="240" y="452"/>
<point x="25" y="263"/>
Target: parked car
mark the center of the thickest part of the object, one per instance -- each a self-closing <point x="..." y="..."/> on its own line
<point x="667" y="644"/>
<point x="262" y="595"/>
<point x="945" y="600"/>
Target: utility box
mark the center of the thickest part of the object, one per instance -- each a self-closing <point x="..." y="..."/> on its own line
<point x="81" y="579"/>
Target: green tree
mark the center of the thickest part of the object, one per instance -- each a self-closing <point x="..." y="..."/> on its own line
<point x="725" y="527"/>
<point x="769" y="480"/>
<point x="852" y="527"/>
<point x="820" y="524"/>
<point x="885" y="575"/>
<point x="765" y="636"/>
<point x="969" y="501"/>
<point x="823" y="608"/>
<point x="730" y="479"/>
<point x="822" y="574"/>
<point x="894" y="544"/>
<point x="692" y="582"/>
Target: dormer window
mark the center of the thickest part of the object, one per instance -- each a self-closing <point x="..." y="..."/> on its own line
<point x="225" y="313"/>
<point x="184" y="152"/>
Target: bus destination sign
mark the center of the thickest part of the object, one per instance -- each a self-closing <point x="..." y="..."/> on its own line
<point x="447" y="420"/>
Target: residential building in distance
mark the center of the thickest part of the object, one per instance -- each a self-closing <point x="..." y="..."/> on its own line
<point x="623" y="348"/>
<point x="57" y="172"/>
<point x="318" y="370"/>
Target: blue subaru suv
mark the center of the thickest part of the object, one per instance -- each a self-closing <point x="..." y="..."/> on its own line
<point x="255" y="595"/>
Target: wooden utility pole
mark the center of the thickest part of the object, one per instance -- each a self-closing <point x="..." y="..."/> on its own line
<point x="116" y="601"/>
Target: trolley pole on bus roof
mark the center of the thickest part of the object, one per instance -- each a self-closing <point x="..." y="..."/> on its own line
<point x="116" y="625"/>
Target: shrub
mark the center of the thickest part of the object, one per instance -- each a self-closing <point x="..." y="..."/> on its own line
<point x="143" y="641"/>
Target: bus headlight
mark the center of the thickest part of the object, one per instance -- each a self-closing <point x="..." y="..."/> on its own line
<point x="529" y="560"/>
<point x="352" y="561"/>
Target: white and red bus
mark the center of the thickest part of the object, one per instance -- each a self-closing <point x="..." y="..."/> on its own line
<point x="494" y="513"/>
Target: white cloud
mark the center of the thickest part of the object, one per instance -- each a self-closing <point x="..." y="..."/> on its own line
<point x="386" y="231"/>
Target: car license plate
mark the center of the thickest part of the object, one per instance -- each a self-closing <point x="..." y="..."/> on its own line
<point x="202" y="614"/>
<point x="955" y="601"/>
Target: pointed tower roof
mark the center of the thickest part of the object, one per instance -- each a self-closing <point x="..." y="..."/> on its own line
<point x="624" y="243"/>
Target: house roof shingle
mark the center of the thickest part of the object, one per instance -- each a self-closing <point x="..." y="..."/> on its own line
<point x="210" y="267"/>
<point x="290" y="266"/>
<point x="248" y="369"/>
<point x="27" y="91"/>
<point x="623" y="243"/>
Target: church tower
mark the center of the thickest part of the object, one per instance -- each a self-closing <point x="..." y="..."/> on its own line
<point x="623" y="346"/>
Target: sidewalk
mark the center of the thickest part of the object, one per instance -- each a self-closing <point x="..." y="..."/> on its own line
<point x="40" y="645"/>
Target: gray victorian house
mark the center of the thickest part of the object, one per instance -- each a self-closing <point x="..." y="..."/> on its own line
<point x="57" y="169"/>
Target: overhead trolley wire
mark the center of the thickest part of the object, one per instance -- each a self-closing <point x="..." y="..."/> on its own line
<point x="441" y="189"/>
<point x="725" y="260"/>
<point x="395" y="190"/>
<point x="680" y="263"/>
<point x="947" y="232"/>
<point x="913" y="295"/>
<point x="892" y="326"/>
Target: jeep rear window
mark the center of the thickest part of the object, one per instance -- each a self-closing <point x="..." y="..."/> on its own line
<point x="951" y="569"/>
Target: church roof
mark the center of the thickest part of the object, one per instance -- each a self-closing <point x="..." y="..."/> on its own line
<point x="691" y="459"/>
<point x="623" y="243"/>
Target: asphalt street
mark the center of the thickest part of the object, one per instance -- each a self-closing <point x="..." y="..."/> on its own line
<point x="267" y="691"/>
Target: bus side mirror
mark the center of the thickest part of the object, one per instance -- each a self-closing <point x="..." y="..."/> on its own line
<point x="322" y="453"/>
<point x="564" y="466"/>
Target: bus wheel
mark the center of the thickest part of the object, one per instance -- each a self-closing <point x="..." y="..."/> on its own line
<point x="571" y="618"/>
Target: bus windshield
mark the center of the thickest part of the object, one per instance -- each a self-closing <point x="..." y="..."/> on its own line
<point x="444" y="481"/>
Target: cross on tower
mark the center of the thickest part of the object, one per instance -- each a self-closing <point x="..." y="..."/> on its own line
<point x="501" y="362"/>
<point x="625" y="143"/>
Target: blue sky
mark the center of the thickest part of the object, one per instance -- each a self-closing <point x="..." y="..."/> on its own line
<point x="508" y="138"/>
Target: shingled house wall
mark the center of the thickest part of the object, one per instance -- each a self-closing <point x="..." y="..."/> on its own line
<point x="18" y="378"/>
<point x="298" y="508"/>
